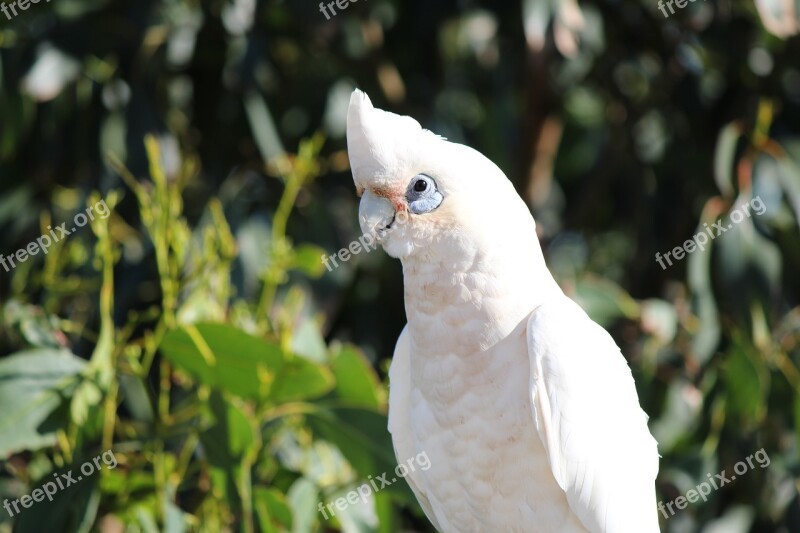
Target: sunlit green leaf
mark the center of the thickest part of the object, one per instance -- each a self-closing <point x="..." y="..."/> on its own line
<point x="356" y="380"/>
<point x="604" y="300"/>
<point x="231" y="435"/>
<point x="230" y="359"/>
<point x="308" y="259"/>
<point x="273" y="510"/>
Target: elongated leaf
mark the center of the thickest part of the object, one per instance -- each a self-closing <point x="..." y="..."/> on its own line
<point x="30" y="391"/>
<point x="230" y="359"/>
<point x="231" y="437"/>
<point x="72" y="509"/>
<point x="704" y="304"/>
<point x="796" y="414"/>
<point x="225" y="444"/>
<point x="263" y="126"/>
<point x="302" y="498"/>
<point x="363" y="438"/>
<point x="724" y="158"/>
<point x="681" y="414"/>
<point x="604" y="300"/>
<point x="273" y="510"/>
<point x="356" y="380"/>
<point x="747" y="383"/>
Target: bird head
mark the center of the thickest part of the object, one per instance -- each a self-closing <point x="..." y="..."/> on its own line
<point x="422" y="195"/>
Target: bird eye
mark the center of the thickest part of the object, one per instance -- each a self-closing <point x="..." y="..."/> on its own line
<point x="422" y="194"/>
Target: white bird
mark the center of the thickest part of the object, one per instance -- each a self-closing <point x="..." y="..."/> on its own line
<point x="525" y="407"/>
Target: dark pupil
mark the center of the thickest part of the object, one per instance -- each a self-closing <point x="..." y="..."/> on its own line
<point x="420" y="186"/>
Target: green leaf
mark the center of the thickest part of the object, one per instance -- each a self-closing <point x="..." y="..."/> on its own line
<point x="747" y="382"/>
<point x="388" y="519"/>
<point x="363" y="438"/>
<point x="175" y="521"/>
<point x="789" y="177"/>
<point x="273" y="510"/>
<point x="736" y="519"/>
<point x="85" y="405"/>
<point x="307" y="341"/>
<point x="604" y="300"/>
<point x="680" y="416"/>
<point x="301" y="379"/>
<point x="358" y="517"/>
<point x="698" y="270"/>
<point x="307" y="259"/>
<point x="302" y="498"/>
<point x="749" y="268"/>
<point x="225" y="445"/>
<point x="319" y="461"/>
<point x="231" y="437"/>
<point x="356" y="380"/>
<point x="797" y="415"/>
<point x="265" y="132"/>
<point x="229" y="359"/>
<point x="73" y="509"/>
<point x="724" y="158"/>
<point x="136" y="399"/>
<point x="361" y="435"/>
<point x="31" y="389"/>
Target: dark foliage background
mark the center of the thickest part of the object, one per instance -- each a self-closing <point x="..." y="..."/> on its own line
<point x="196" y="333"/>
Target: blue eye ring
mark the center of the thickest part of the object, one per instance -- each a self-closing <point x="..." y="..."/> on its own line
<point x="423" y="195"/>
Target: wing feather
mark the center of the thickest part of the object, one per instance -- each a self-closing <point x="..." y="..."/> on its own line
<point x="587" y="414"/>
<point x="400" y="418"/>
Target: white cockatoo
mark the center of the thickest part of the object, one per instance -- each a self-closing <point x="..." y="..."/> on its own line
<point x="524" y="406"/>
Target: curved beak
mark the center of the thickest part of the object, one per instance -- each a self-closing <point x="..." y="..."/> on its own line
<point x="375" y="214"/>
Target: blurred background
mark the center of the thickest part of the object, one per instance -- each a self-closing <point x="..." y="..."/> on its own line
<point x="195" y="332"/>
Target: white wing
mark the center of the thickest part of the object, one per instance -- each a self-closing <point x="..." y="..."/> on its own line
<point x="400" y="418"/>
<point x="587" y="413"/>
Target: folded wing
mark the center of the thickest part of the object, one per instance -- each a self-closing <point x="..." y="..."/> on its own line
<point x="587" y="414"/>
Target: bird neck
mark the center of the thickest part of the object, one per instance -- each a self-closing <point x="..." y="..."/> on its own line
<point x="476" y="300"/>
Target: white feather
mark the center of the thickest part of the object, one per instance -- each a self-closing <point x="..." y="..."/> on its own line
<point x="524" y="406"/>
<point x="588" y="417"/>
